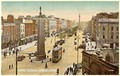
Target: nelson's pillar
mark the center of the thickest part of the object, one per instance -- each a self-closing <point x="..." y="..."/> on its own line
<point x="40" y="54"/>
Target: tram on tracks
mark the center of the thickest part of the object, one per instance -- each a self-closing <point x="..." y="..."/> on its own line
<point x="56" y="54"/>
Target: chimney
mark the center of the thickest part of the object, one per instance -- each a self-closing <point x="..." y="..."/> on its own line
<point x="2" y="20"/>
<point x="10" y="18"/>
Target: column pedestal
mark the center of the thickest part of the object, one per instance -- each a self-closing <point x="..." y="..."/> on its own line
<point x="40" y="57"/>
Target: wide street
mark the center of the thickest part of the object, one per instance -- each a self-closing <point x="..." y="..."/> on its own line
<point x="25" y="67"/>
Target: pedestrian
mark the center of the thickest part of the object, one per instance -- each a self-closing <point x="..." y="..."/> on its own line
<point x="95" y="47"/>
<point x="48" y="51"/>
<point x="50" y="59"/>
<point x="13" y="51"/>
<point x="17" y="50"/>
<point x="29" y="56"/>
<point x="20" y="48"/>
<point x="75" y="47"/>
<point x="31" y="61"/>
<point x="12" y="66"/>
<point x="72" y="70"/>
<point x="65" y="72"/>
<point x="68" y="69"/>
<point x="73" y="65"/>
<point x="9" y="67"/>
<point x="92" y="46"/>
<point x="57" y="71"/>
<point x="46" y="65"/>
<point x="5" y="54"/>
<point x="9" y="53"/>
<point x="63" y="50"/>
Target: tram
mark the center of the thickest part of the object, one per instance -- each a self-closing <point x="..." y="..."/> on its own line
<point x="56" y="54"/>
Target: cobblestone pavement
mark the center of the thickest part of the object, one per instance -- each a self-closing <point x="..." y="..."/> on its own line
<point x="26" y="67"/>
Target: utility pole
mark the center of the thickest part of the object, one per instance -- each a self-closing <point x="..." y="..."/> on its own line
<point x="77" y="48"/>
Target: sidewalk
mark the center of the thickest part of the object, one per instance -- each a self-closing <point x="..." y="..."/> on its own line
<point x="23" y="47"/>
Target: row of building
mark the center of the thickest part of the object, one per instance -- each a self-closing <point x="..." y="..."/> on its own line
<point x="24" y="29"/>
<point x="104" y="28"/>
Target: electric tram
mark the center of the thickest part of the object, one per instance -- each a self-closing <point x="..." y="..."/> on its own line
<point x="56" y="54"/>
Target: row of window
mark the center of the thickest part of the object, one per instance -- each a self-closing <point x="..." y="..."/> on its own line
<point x="111" y="28"/>
<point x="111" y="36"/>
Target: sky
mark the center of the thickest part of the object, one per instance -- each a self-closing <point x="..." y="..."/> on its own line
<point x="62" y="9"/>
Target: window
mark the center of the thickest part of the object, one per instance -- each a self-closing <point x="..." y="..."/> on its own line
<point x="111" y="36"/>
<point x="103" y="28"/>
<point x="103" y="36"/>
<point x="117" y="28"/>
<point x="117" y="37"/>
<point x="111" y="28"/>
<point x="56" y="57"/>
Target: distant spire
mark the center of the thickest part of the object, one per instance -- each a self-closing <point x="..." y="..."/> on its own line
<point x="40" y="12"/>
<point x="79" y="18"/>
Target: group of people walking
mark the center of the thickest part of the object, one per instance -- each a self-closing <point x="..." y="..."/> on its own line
<point x="71" y="70"/>
<point x="11" y="66"/>
<point x="10" y="52"/>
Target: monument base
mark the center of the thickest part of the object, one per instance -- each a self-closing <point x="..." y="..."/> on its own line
<point x="40" y="57"/>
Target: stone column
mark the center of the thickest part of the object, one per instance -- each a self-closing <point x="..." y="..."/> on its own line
<point x="40" y="54"/>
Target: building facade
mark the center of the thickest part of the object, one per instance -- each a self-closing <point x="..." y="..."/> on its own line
<point x="29" y="29"/>
<point x="109" y="32"/>
<point x="52" y="24"/>
<point x="69" y="24"/>
<point x="104" y="29"/>
<point x="10" y="32"/>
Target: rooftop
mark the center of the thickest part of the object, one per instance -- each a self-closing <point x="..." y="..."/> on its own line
<point x="108" y="20"/>
<point x="9" y="24"/>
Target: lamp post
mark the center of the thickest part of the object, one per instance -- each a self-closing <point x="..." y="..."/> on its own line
<point x="16" y="57"/>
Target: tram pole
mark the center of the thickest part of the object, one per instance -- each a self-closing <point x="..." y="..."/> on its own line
<point x="16" y="59"/>
<point x="77" y="48"/>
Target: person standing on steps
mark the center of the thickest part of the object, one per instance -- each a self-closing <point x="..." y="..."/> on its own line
<point x="57" y="71"/>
